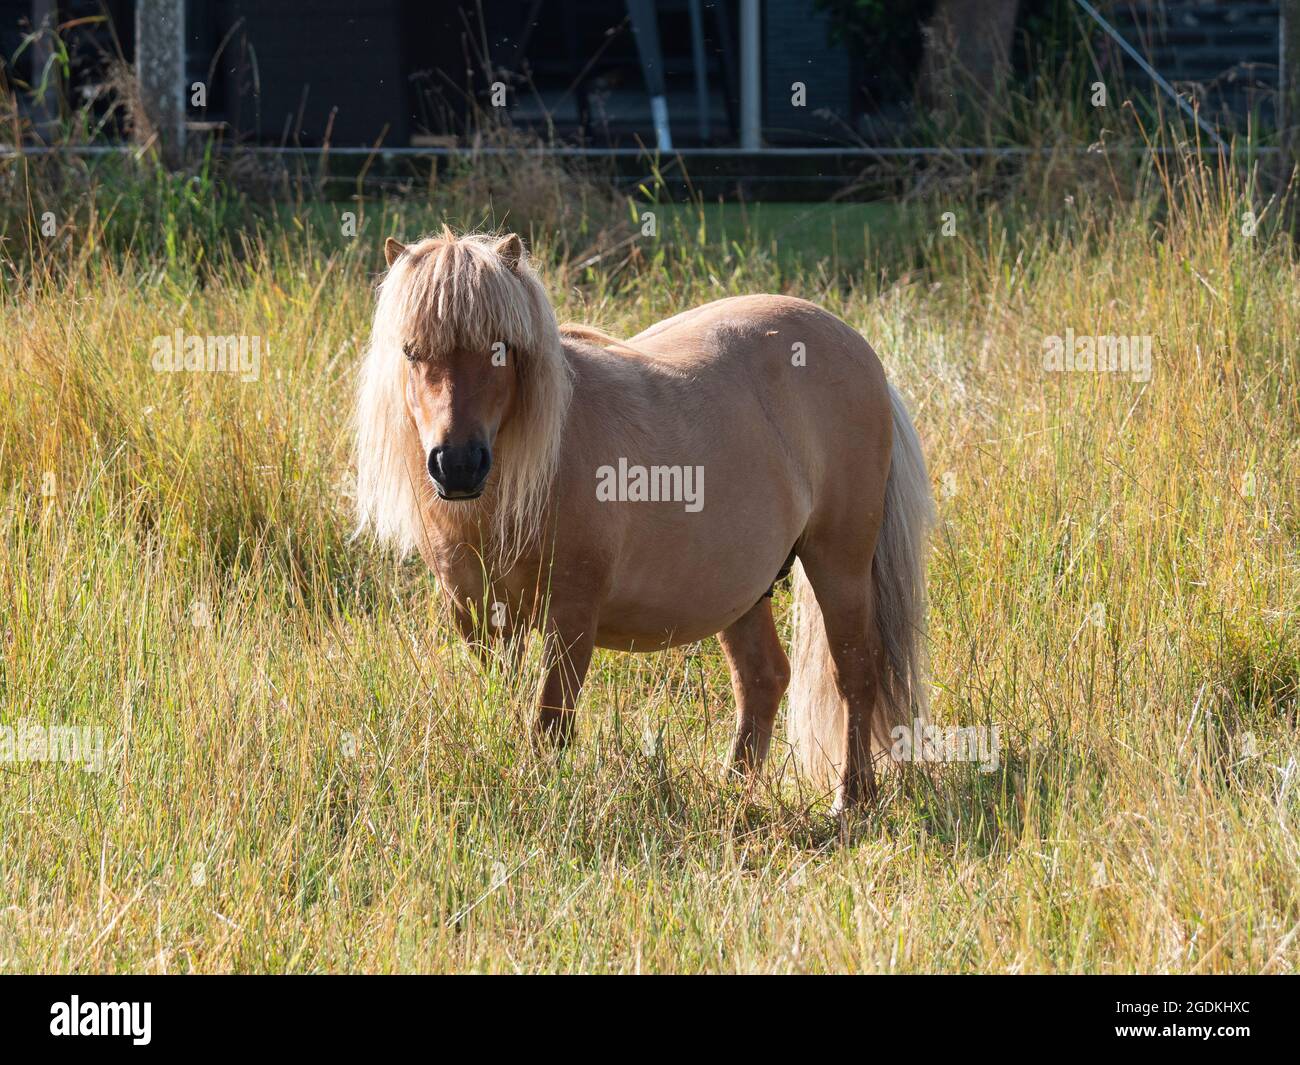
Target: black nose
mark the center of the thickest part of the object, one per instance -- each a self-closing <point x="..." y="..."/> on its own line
<point x="458" y="472"/>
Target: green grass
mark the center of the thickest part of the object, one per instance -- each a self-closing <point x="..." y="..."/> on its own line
<point x="307" y="772"/>
<point x="797" y="236"/>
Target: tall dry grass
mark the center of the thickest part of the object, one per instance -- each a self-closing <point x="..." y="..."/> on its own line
<point x="306" y="771"/>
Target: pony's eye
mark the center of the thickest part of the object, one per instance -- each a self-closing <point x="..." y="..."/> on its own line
<point x="408" y="349"/>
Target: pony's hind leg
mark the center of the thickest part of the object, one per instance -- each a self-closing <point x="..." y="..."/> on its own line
<point x="760" y="673"/>
<point x="844" y="593"/>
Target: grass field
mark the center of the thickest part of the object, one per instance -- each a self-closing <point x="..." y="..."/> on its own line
<point x="305" y="771"/>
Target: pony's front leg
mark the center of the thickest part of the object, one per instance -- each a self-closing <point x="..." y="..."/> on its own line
<point x="760" y="673"/>
<point x="567" y="654"/>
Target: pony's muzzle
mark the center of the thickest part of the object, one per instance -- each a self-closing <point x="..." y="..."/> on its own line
<point x="458" y="472"/>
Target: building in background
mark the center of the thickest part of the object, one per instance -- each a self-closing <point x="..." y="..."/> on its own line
<point x="401" y="73"/>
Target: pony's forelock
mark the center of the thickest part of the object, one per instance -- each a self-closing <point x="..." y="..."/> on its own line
<point x="445" y="293"/>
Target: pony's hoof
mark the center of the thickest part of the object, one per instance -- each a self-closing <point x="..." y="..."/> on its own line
<point x="843" y="809"/>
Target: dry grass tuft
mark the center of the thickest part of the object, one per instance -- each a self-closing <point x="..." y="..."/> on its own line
<point x="306" y="771"/>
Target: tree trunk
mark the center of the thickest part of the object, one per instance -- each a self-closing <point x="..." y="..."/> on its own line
<point x="160" y="75"/>
<point x="967" y="52"/>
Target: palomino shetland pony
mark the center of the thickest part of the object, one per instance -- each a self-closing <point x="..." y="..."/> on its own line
<point x="553" y="478"/>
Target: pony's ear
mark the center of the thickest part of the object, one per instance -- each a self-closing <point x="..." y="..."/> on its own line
<point x="511" y="249"/>
<point x="393" y="250"/>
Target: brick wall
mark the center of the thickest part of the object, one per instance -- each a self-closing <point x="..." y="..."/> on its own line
<point x="796" y="48"/>
<point x="1224" y="50"/>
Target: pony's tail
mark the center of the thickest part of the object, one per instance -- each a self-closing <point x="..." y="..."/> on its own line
<point x="816" y="723"/>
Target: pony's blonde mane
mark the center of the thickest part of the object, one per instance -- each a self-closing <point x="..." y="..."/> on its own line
<point x="460" y="292"/>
